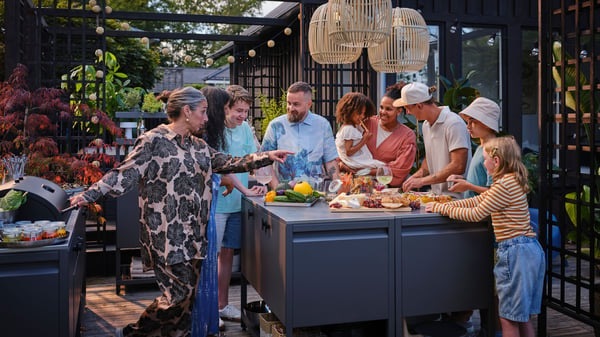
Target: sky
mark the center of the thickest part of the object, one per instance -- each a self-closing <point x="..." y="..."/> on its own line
<point x="268" y="6"/>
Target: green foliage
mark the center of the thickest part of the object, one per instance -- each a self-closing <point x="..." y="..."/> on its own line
<point x="588" y="221"/>
<point x="151" y="104"/>
<point x="115" y="84"/>
<point x="271" y="108"/>
<point x="459" y="94"/>
<point x="133" y="98"/>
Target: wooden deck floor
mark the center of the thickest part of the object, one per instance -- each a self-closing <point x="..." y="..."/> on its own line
<point x="106" y="310"/>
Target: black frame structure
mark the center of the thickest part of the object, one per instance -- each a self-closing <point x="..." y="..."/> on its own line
<point x="51" y="40"/>
<point x="570" y="153"/>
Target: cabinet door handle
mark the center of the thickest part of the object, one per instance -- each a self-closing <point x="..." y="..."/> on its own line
<point x="250" y="213"/>
<point x="265" y="226"/>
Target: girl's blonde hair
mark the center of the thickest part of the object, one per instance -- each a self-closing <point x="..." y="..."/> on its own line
<point x="508" y="152"/>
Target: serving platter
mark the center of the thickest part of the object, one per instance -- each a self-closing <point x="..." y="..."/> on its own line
<point x="33" y="244"/>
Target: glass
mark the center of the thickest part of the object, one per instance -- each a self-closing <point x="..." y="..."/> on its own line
<point x="384" y="175"/>
<point x="316" y="176"/>
<point x="264" y="175"/>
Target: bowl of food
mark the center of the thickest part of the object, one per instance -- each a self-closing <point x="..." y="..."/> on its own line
<point x="7" y="216"/>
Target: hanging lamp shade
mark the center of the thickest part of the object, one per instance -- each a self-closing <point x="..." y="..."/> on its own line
<point x="322" y="48"/>
<point x="407" y="48"/>
<point x="359" y="23"/>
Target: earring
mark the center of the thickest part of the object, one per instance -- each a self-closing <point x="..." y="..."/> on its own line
<point x="187" y="120"/>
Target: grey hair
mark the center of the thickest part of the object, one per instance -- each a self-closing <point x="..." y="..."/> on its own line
<point x="181" y="97"/>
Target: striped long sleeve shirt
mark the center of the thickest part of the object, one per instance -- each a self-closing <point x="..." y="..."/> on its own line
<point x="505" y="201"/>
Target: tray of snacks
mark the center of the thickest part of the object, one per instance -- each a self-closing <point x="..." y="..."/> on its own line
<point x="388" y="201"/>
<point x="426" y="197"/>
<point x="36" y="234"/>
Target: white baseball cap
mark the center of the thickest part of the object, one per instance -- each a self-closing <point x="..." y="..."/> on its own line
<point x="484" y="110"/>
<point x="413" y="93"/>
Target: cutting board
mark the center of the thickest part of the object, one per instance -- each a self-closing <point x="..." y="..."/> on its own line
<point x="367" y="209"/>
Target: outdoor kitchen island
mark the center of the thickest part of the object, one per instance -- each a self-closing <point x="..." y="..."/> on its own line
<point x="313" y="267"/>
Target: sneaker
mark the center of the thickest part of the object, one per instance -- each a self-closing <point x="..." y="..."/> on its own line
<point x="221" y="325"/>
<point x="119" y="332"/>
<point x="230" y="313"/>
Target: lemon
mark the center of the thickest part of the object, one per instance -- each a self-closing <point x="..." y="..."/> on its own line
<point x="303" y="187"/>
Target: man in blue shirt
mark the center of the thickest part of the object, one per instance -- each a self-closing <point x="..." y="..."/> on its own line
<point x="307" y="135"/>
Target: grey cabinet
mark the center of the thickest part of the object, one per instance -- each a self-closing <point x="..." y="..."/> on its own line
<point x="43" y="288"/>
<point x="314" y="270"/>
<point x="313" y="267"/>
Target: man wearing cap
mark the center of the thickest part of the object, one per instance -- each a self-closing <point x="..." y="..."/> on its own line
<point x="447" y="141"/>
<point x="482" y="122"/>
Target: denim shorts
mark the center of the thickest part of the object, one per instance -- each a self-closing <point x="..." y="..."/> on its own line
<point x="519" y="276"/>
<point x="229" y="230"/>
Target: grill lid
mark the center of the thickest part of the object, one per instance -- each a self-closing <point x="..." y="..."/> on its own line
<point x="45" y="199"/>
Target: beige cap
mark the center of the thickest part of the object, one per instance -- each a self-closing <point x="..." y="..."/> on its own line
<point x="413" y="93"/>
<point x="484" y="110"/>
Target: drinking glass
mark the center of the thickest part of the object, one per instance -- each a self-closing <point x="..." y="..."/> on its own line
<point x="384" y="175"/>
<point x="264" y="175"/>
<point x="316" y="175"/>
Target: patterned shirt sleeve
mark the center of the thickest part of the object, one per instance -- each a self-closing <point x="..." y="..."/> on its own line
<point x="127" y="175"/>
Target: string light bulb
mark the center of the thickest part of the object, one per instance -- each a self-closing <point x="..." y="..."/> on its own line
<point x="99" y="30"/>
<point x="454" y="26"/>
<point x="92" y="3"/>
<point x="287" y="31"/>
<point x="96" y="9"/>
<point x="125" y="26"/>
<point x="165" y="51"/>
<point x="99" y="74"/>
<point x="535" y="51"/>
<point x="187" y="58"/>
<point x="209" y="62"/>
<point x="251" y="52"/>
<point x="145" y="40"/>
<point x="98" y="52"/>
<point x="583" y="53"/>
<point x="92" y="97"/>
<point x="492" y="40"/>
<point x="107" y="9"/>
<point x="270" y="43"/>
<point x="230" y="59"/>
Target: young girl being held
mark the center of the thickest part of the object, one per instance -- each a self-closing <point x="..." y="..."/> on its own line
<point x="519" y="271"/>
<point x="352" y="137"/>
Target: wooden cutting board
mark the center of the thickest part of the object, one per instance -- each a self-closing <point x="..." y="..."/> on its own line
<point x="367" y="209"/>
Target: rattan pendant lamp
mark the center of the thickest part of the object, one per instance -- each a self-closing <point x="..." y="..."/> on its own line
<point x="322" y="48"/>
<point x="359" y="23"/>
<point x="407" y="48"/>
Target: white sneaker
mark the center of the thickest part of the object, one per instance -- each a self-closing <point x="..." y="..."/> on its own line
<point x="221" y="325"/>
<point x="230" y="313"/>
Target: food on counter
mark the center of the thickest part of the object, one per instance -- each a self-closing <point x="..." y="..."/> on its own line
<point x="303" y="187"/>
<point x="290" y="195"/>
<point x="425" y="197"/>
<point x="12" y="200"/>
<point x="39" y="230"/>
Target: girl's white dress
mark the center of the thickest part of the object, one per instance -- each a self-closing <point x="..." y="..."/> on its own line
<point x="363" y="157"/>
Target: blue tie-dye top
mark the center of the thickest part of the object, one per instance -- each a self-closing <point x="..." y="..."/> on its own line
<point x="311" y="140"/>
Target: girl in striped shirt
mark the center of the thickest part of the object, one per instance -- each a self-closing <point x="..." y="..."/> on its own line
<point x="519" y="270"/>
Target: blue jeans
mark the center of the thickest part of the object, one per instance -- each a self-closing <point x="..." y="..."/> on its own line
<point x="229" y="230"/>
<point x="519" y="276"/>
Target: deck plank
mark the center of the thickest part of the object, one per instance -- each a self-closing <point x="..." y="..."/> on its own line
<point x="105" y="310"/>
